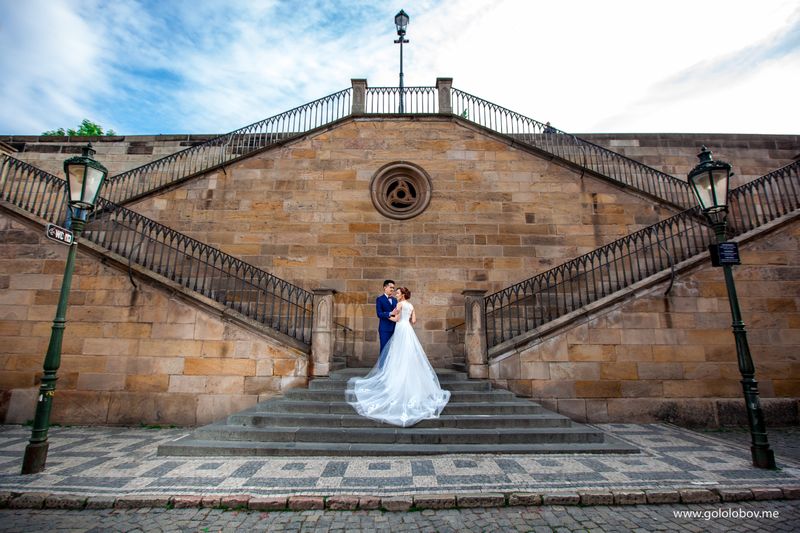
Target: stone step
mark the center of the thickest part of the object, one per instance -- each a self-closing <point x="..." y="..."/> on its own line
<point x="456" y="396"/>
<point x="443" y="374"/>
<point x="190" y="447"/>
<point x="342" y="407"/>
<point x="451" y="385"/>
<point x="353" y="420"/>
<point x="390" y="435"/>
<point x="318" y="421"/>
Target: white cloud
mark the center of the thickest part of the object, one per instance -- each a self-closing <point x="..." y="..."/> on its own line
<point x="211" y="67"/>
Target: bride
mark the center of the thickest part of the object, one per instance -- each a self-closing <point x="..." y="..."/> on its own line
<point x="405" y="390"/>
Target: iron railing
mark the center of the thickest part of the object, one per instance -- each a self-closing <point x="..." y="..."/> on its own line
<point x="574" y="149"/>
<point x="527" y="305"/>
<point x="206" y="270"/>
<point x="416" y="100"/>
<point x="226" y="148"/>
<point x="386" y="100"/>
<point x="764" y="199"/>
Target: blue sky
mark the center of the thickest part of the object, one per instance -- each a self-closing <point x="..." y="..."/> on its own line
<point x="211" y="66"/>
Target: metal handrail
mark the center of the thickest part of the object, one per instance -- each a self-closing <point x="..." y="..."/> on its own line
<point x="416" y="100"/>
<point x="581" y="152"/>
<point x="529" y="304"/>
<point x="226" y="148"/>
<point x="206" y="270"/>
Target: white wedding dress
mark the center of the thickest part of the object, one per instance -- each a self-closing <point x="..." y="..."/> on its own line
<point x="405" y="390"/>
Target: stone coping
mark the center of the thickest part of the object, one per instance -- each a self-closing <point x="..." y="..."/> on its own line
<point x="339" y="502"/>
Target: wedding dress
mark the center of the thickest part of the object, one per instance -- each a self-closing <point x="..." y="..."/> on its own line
<point x="405" y="390"/>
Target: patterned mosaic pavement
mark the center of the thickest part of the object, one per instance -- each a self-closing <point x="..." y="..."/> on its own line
<point x="117" y="461"/>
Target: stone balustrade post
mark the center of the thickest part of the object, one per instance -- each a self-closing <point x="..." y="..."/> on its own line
<point x="323" y="336"/>
<point x="359" y="96"/>
<point x="443" y="86"/>
<point x="475" y="337"/>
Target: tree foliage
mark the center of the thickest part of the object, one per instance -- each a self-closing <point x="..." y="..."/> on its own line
<point x="87" y="128"/>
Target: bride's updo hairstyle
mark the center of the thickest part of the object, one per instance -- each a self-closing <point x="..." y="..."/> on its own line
<point x="406" y="293"/>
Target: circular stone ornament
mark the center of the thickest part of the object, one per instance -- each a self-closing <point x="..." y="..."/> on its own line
<point x="400" y="190"/>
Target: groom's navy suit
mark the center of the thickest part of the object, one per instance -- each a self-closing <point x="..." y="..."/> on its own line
<point x="384" y="307"/>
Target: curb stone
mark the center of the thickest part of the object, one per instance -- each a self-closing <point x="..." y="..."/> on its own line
<point x="734" y="495"/>
<point x="100" y="502"/>
<point x="767" y="494"/>
<point x="597" y="498"/>
<point x="435" y="501"/>
<point x="28" y="500"/>
<point x="629" y="497"/>
<point x="235" y="502"/>
<point x="139" y="501"/>
<point x="40" y="500"/>
<point x="397" y="503"/>
<point x="268" y="503"/>
<point x="306" y="503"/>
<point x="481" y="499"/>
<point x="698" y="496"/>
<point x="516" y="498"/>
<point x="561" y="498"/>
<point x="662" y="496"/>
<point x="65" y="501"/>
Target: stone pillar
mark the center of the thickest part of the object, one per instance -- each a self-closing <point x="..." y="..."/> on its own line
<point x="443" y="85"/>
<point x="475" y="336"/>
<point x="323" y="337"/>
<point x="359" y="95"/>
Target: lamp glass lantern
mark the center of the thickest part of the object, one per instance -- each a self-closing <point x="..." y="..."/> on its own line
<point x="710" y="181"/>
<point x="401" y="21"/>
<point x="85" y="176"/>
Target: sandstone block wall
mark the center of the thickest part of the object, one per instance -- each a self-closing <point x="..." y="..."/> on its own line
<point x="673" y="357"/>
<point x="130" y="355"/>
<point x="751" y="155"/>
<point x="497" y="216"/>
<point x="117" y="153"/>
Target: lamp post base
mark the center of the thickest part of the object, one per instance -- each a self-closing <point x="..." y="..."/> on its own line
<point x="35" y="457"/>
<point x="763" y="457"/>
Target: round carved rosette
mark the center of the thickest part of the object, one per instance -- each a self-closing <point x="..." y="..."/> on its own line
<point x="400" y="190"/>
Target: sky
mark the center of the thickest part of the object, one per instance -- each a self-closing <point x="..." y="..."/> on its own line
<point x="587" y="66"/>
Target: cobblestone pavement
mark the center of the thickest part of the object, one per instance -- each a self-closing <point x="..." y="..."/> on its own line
<point x="113" y="462"/>
<point x="784" y="440"/>
<point x="769" y="516"/>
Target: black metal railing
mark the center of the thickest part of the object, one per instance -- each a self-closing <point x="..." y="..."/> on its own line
<point x="386" y="100"/>
<point x="416" y="100"/>
<point x="206" y="270"/>
<point x="527" y="305"/>
<point x="574" y="149"/>
<point x="764" y="199"/>
<point x="226" y="148"/>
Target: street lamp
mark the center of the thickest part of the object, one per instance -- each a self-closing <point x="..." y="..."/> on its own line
<point x="84" y="178"/>
<point x="401" y="21"/>
<point x="710" y="181"/>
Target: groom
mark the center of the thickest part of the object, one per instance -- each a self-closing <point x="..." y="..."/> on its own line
<point x="384" y="305"/>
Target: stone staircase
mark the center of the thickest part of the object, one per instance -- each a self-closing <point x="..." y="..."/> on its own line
<point x="317" y="421"/>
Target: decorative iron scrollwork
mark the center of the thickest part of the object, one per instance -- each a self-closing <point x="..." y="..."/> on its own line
<point x="400" y="190"/>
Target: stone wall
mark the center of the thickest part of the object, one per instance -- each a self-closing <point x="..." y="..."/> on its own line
<point x="117" y="153"/>
<point x="497" y="216"/>
<point x="130" y="355"/>
<point x="751" y="155"/>
<point x="656" y="357"/>
<point x="303" y="212"/>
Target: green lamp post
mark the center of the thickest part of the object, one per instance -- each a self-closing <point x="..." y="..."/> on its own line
<point x="84" y="178"/>
<point x="401" y="22"/>
<point x="710" y="182"/>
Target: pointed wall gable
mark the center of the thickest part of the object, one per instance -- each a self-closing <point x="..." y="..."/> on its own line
<point x="497" y="215"/>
